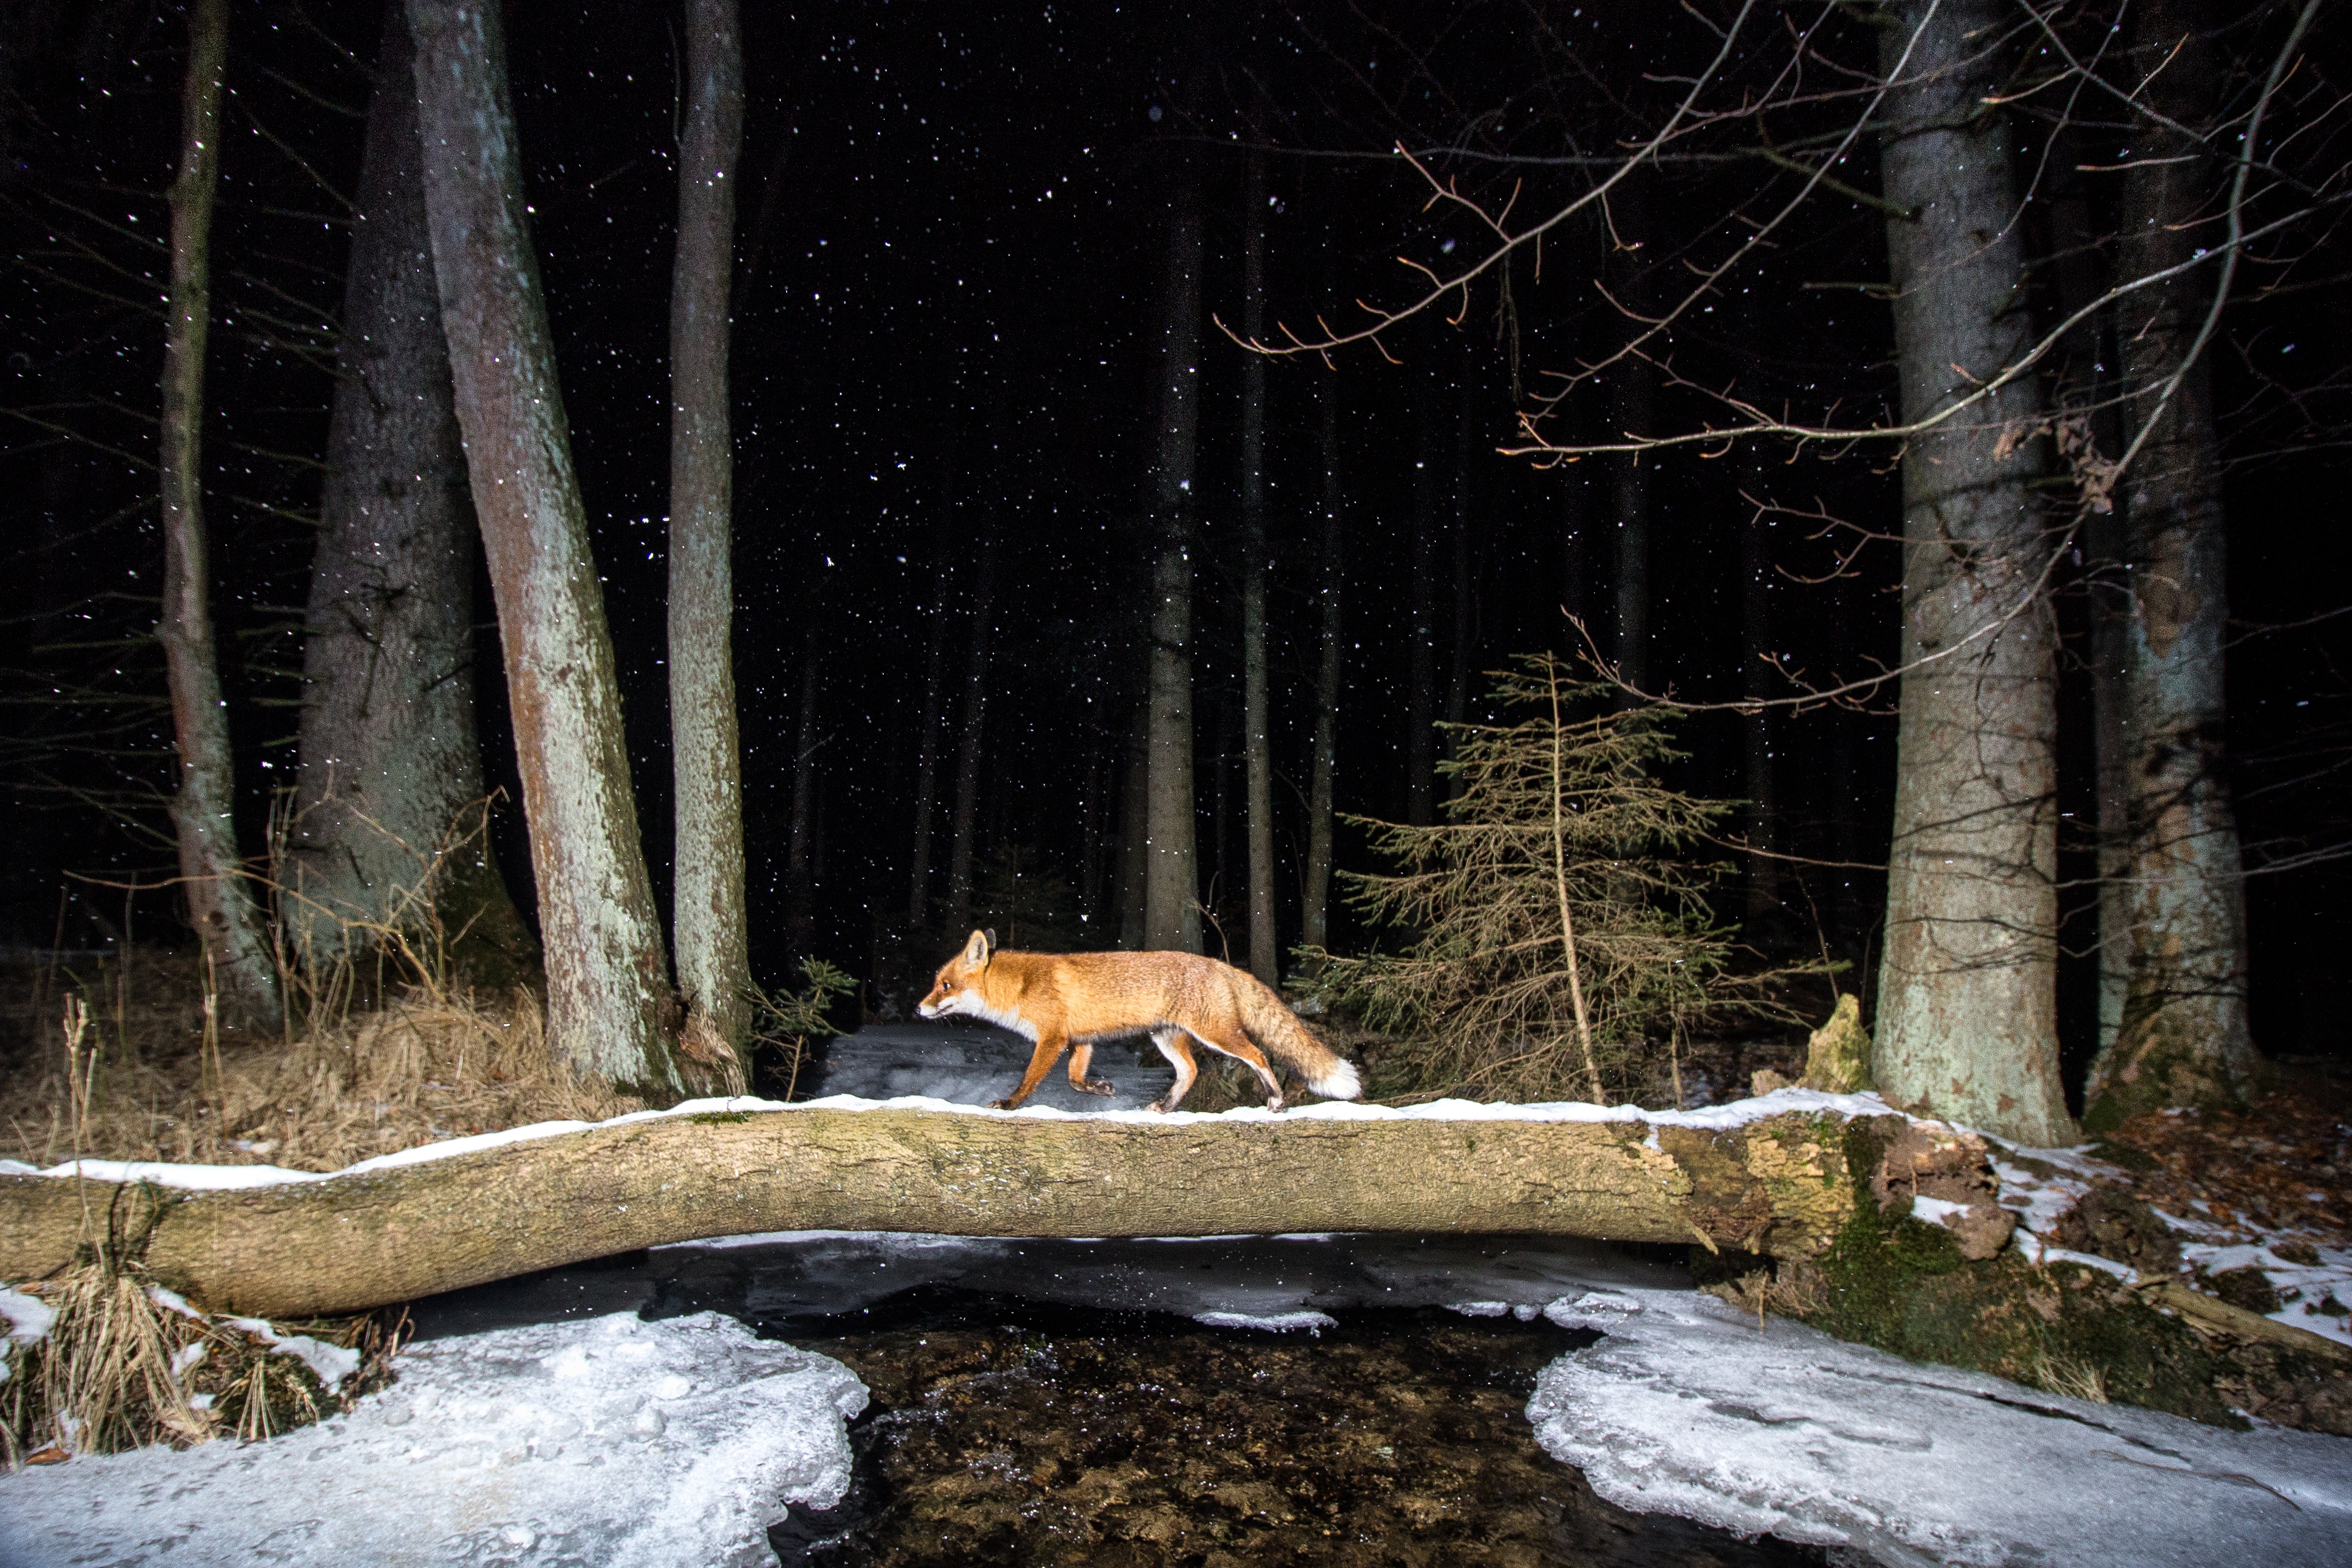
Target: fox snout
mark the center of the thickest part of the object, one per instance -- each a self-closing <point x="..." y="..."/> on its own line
<point x="933" y="1006"/>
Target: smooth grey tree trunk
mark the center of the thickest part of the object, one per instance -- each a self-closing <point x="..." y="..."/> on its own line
<point x="1966" y="1024"/>
<point x="390" y="793"/>
<point x="1317" y="901"/>
<point x="972" y="723"/>
<point x="1256" y="741"/>
<point x="2183" y="1038"/>
<point x="610" y="1009"/>
<point x="712" y="935"/>
<point x="1171" y="897"/>
<point x="204" y="809"/>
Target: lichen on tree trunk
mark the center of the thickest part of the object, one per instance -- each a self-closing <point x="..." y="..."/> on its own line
<point x="1966" y="1024"/>
<point x="712" y="938"/>
<point x="611" y="1011"/>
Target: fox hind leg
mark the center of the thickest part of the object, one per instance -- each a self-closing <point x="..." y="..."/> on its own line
<point x="1081" y="1056"/>
<point x="1171" y="1044"/>
<point x="1237" y="1045"/>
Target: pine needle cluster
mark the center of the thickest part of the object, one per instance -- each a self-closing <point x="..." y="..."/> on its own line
<point x="1560" y="932"/>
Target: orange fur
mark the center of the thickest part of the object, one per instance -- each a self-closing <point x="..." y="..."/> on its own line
<point x="1071" y="1001"/>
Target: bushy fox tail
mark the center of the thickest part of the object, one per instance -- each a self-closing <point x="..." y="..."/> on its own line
<point x="1280" y="1034"/>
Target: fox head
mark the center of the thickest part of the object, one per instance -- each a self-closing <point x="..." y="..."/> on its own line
<point x="956" y="988"/>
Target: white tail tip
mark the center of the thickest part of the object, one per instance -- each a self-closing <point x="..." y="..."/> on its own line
<point x="1339" y="1083"/>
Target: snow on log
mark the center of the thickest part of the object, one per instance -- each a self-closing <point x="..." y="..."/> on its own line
<point x="1761" y="1178"/>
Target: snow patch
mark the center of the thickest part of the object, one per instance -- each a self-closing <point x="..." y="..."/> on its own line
<point x="29" y="1316"/>
<point x="1687" y="1408"/>
<point x="1271" y="1322"/>
<point x="601" y="1441"/>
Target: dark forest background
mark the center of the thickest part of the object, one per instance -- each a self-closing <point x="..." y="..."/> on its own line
<point x="949" y="261"/>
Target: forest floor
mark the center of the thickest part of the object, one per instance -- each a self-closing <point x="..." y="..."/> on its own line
<point x="426" y="1065"/>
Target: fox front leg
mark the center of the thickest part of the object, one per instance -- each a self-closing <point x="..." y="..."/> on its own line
<point x="1041" y="1062"/>
<point x="1081" y="1057"/>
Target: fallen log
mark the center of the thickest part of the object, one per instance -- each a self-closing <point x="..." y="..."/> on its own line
<point x="1779" y="1184"/>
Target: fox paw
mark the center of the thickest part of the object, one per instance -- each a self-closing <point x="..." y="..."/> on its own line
<point x="1276" y="1102"/>
<point x="1097" y="1086"/>
<point x="1007" y="1103"/>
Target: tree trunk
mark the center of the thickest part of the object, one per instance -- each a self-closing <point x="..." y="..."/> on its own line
<point x="1465" y="604"/>
<point x="1420" y="651"/>
<point x="1967" y="1000"/>
<point x="610" y="1009"/>
<point x="1134" y="827"/>
<point x="2089" y="385"/>
<point x="800" y="881"/>
<point x="204" y="810"/>
<point x="712" y="940"/>
<point x="975" y="718"/>
<point x="389" y="760"/>
<point x="1633" y="399"/>
<point x="1256" y="741"/>
<point x="2183" y="1038"/>
<point x="1756" y="642"/>
<point x="1317" y="921"/>
<point x="1172" y="914"/>
<point x="1783" y="1187"/>
<point x="927" y="759"/>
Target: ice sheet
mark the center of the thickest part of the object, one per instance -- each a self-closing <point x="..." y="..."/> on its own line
<point x="604" y="1442"/>
<point x="1688" y="1408"/>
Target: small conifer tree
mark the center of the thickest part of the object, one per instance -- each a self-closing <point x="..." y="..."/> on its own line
<point x="1560" y="927"/>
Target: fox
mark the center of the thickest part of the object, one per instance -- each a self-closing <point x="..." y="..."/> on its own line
<point x="1074" y="1001"/>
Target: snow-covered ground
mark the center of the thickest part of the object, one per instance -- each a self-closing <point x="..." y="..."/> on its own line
<point x="2040" y="1185"/>
<point x="605" y="1440"/>
<point x="1688" y="1408"/>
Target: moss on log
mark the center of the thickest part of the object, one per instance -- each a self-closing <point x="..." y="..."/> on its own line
<point x="1777" y="1186"/>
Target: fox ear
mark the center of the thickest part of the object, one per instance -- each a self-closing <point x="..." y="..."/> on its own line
<point x="991" y="939"/>
<point x="975" y="952"/>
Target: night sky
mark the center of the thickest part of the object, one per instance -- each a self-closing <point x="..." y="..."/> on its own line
<point x="950" y="264"/>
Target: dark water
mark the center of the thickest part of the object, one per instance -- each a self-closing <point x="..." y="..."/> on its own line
<point x="1055" y="1403"/>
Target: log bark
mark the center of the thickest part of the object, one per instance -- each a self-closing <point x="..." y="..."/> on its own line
<point x="1966" y="1024"/>
<point x="610" y="1009"/>
<point x="389" y="803"/>
<point x="204" y="808"/>
<point x="1781" y="1185"/>
<point x="712" y="935"/>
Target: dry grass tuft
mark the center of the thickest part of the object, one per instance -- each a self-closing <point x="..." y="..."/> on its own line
<point x="2080" y="1379"/>
<point x="125" y="1364"/>
<point x="422" y="1067"/>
